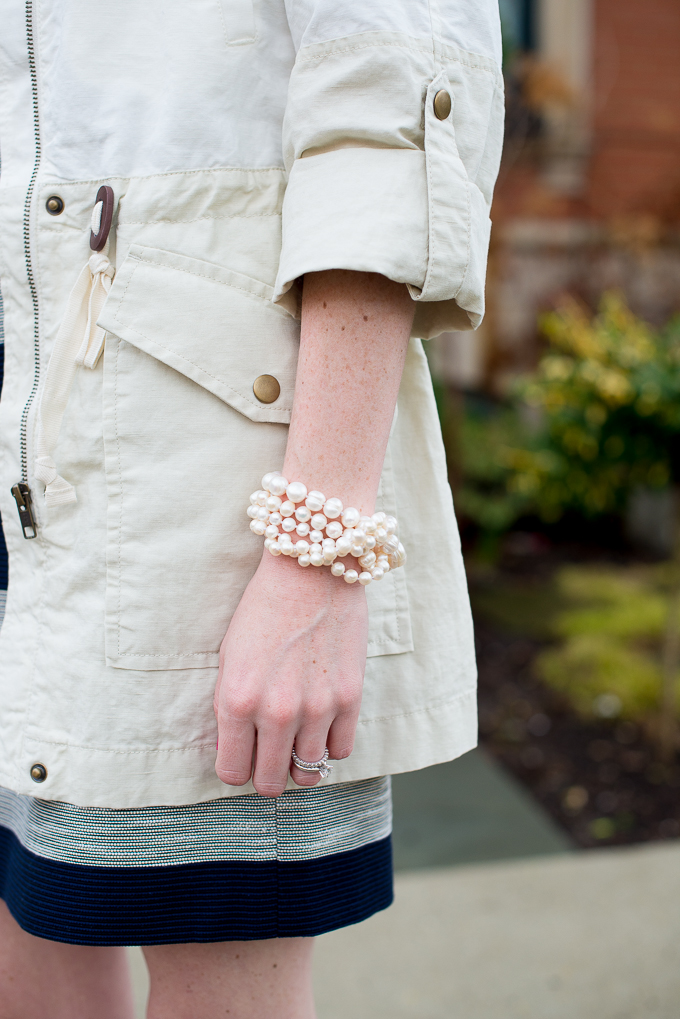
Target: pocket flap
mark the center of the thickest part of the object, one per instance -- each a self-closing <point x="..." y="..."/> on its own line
<point x="215" y="326"/>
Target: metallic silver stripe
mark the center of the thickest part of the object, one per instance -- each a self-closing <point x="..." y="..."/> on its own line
<point x="302" y="824"/>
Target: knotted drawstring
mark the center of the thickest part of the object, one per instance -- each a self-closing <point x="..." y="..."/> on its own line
<point x="80" y="341"/>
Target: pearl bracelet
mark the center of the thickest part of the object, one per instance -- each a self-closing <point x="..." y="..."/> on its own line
<point x="315" y="530"/>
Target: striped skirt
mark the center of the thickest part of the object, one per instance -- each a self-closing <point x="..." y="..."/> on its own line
<point x="238" y="868"/>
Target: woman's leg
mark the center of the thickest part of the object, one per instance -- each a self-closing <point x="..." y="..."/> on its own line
<point x="40" y="978"/>
<point x="239" y="979"/>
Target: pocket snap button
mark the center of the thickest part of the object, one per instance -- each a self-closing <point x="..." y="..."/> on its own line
<point x="267" y="389"/>
<point x="38" y="772"/>
<point x="54" y="205"/>
<point x="442" y="104"/>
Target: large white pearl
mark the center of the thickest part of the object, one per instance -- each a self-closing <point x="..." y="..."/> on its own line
<point x="287" y="509"/>
<point x="365" y="579"/>
<point x="278" y="485"/>
<point x="350" y="576"/>
<point x="302" y="530"/>
<point x="342" y="546"/>
<point x="315" y="547"/>
<point x="275" y="518"/>
<point x="329" y="556"/>
<point x="357" y="550"/>
<point x="368" y="525"/>
<point x="380" y="535"/>
<point x="332" y="508"/>
<point x="257" y="526"/>
<point x="286" y="544"/>
<point x="267" y="543"/>
<point x="384" y="565"/>
<point x="328" y="543"/>
<point x="262" y="514"/>
<point x="273" y="503"/>
<point x="337" y="569"/>
<point x="316" y="535"/>
<point x="318" y="521"/>
<point x="253" y="498"/>
<point x="267" y="478"/>
<point x="391" y="525"/>
<point x="262" y="498"/>
<point x="377" y="573"/>
<point x="391" y="544"/>
<point x="302" y="547"/>
<point x="288" y="524"/>
<point x="303" y="560"/>
<point x="350" y="517"/>
<point x="367" y="560"/>
<point x="296" y="491"/>
<point x="359" y="536"/>
<point x="275" y="548"/>
<point x="271" y="532"/>
<point x="334" y="529"/>
<point x="379" y="518"/>
<point x="252" y="511"/>
<point x="303" y="514"/>
<point x="315" y="501"/>
<point x="369" y="543"/>
<point x="316" y="559"/>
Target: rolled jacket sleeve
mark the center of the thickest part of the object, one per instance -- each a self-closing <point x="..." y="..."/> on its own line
<point x="377" y="182"/>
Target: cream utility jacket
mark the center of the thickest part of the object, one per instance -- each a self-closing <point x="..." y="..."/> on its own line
<point x="245" y="143"/>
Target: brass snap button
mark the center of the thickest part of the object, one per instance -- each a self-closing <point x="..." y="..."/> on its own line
<point x="442" y="104"/>
<point x="266" y="388"/>
<point x="38" y="772"/>
<point x="54" y="205"/>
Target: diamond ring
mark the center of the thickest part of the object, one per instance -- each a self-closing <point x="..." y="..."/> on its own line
<point x="322" y="766"/>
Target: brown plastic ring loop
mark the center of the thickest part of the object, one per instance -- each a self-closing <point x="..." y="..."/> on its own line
<point x="106" y="197"/>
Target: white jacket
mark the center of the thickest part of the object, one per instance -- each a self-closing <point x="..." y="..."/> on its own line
<point x="246" y="143"/>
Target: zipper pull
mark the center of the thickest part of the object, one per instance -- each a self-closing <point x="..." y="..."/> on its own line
<point x="22" y="497"/>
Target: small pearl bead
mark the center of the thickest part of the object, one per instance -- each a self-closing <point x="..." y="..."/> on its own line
<point x="288" y="524"/>
<point x="357" y="550"/>
<point x="391" y="525"/>
<point x="359" y="536"/>
<point x="337" y="569"/>
<point x="286" y="509"/>
<point x="267" y="543"/>
<point x="334" y="529"/>
<point x="384" y="565"/>
<point x="367" y="560"/>
<point x="252" y="511"/>
<point x="350" y="517"/>
<point x="285" y="543"/>
<point x="275" y="518"/>
<point x="262" y="498"/>
<point x="318" y="521"/>
<point x="253" y="498"/>
<point x="349" y="534"/>
<point x="379" y="519"/>
<point x="368" y="525"/>
<point x="296" y="491"/>
<point x="329" y="556"/>
<point x="342" y="546"/>
<point x="303" y="514"/>
<point x="275" y="548"/>
<point x="377" y="573"/>
<point x="273" y="503"/>
<point x="316" y="559"/>
<point x="257" y="526"/>
<point x="302" y="530"/>
<point x="332" y="508"/>
<point x="303" y="560"/>
<point x="271" y="532"/>
<point x="293" y="553"/>
<point x="328" y="543"/>
<point x="267" y="478"/>
<point x="315" y="501"/>
<point x="381" y="535"/>
<point x="351" y="576"/>
<point x="316" y="535"/>
<point x="262" y="514"/>
<point x="365" y="579"/>
<point x="278" y="485"/>
<point x="370" y="541"/>
<point x="302" y="547"/>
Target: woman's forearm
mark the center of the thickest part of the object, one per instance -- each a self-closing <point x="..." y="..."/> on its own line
<point x="355" y="331"/>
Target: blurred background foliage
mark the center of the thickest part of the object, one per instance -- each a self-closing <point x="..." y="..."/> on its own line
<point x="597" y="419"/>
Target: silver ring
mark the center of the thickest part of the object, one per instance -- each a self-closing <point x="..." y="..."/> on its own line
<point x="322" y="766"/>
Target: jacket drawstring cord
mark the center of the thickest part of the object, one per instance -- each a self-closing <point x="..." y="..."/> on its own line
<point x="80" y="341"/>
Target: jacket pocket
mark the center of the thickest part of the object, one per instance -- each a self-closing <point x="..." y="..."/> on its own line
<point x="186" y="441"/>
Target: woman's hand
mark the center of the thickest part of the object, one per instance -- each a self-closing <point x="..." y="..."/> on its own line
<point x="291" y="670"/>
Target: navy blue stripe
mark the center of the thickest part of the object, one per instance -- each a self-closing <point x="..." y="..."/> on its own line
<point x="216" y="901"/>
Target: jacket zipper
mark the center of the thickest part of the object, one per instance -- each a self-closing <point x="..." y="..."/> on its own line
<point x="21" y="491"/>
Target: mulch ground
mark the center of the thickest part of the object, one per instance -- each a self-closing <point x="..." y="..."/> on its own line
<point x="600" y="780"/>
